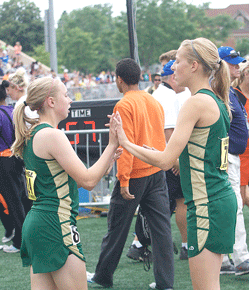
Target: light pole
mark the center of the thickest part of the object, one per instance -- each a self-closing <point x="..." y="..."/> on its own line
<point x="52" y="38"/>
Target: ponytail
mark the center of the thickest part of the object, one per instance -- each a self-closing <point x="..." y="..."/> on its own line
<point x="22" y="129"/>
<point x="220" y="83"/>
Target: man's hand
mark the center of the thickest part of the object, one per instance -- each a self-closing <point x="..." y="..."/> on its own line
<point x="116" y="156"/>
<point x="176" y="168"/>
<point x="124" y="191"/>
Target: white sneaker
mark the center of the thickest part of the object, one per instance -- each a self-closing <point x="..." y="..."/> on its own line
<point x="8" y="239"/>
<point x="89" y="277"/>
<point x="10" y="249"/>
<point x="1" y="247"/>
<point x="153" y="286"/>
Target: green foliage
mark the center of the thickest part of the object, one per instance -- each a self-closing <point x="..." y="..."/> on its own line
<point x="77" y="49"/>
<point x="243" y="46"/>
<point x="20" y="21"/>
<point x="41" y="55"/>
<point x="163" y="25"/>
<point x="91" y="40"/>
<point x="84" y="39"/>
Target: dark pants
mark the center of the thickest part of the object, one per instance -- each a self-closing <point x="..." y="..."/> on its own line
<point x="12" y="188"/>
<point x="151" y="193"/>
<point x="7" y="221"/>
<point x="174" y="189"/>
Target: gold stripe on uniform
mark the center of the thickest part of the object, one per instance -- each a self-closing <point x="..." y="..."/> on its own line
<point x="202" y="225"/>
<point x="198" y="137"/>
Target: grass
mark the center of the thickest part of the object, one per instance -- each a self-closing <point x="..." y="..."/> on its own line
<point x="129" y="275"/>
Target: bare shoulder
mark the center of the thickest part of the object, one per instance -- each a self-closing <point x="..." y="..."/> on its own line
<point x="50" y="134"/>
<point x="48" y="142"/>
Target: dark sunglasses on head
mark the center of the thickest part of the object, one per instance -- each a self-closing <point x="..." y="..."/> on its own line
<point x="234" y="54"/>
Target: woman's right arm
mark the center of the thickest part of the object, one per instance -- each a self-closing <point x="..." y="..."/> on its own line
<point x="52" y="143"/>
<point x="189" y="115"/>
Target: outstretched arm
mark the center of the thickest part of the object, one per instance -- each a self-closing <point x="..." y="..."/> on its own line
<point x="188" y="117"/>
<point x="52" y="143"/>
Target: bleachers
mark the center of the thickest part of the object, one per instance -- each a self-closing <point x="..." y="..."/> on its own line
<point x="26" y="60"/>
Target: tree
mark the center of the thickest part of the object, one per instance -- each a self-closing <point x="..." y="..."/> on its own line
<point x="96" y="23"/>
<point x="161" y="26"/>
<point x="41" y="55"/>
<point x="20" y="21"/>
<point x="78" y="50"/>
<point x="243" y="46"/>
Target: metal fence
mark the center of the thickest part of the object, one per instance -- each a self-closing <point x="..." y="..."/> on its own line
<point x="103" y="91"/>
<point x="101" y="194"/>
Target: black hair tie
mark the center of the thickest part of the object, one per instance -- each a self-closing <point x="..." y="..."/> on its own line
<point x="25" y="103"/>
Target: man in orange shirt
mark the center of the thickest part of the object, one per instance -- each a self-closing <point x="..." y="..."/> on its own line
<point x="138" y="184"/>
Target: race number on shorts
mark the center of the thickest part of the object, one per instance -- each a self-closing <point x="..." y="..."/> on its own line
<point x="75" y="235"/>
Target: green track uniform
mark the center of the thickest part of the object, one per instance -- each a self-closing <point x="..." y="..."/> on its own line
<point x="210" y="199"/>
<point x="49" y="231"/>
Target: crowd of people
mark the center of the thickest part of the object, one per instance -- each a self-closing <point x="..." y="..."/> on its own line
<point x="10" y="62"/>
<point x="186" y="151"/>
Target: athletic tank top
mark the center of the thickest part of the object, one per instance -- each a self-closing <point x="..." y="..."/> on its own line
<point x="51" y="188"/>
<point x="203" y="162"/>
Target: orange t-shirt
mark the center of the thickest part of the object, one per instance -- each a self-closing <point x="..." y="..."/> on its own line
<point x="143" y="123"/>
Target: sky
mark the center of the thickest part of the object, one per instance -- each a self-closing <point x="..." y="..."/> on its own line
<point x="118" y="5"/>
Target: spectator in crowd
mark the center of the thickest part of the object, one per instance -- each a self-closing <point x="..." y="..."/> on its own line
<point x="167" y="56"/>
<point x="6" y="220"/>
<point x="5" y="59"/>
<point x="65" y="77"/>
<point x="1" y="70"/>
<point x="138" y="183"/>
<point x="156" y="79"/>
<point x="6" y="75"/>
<point x="50" y="241"/>
<point x="34" y="70"/>
<point x="200" y="140"/>
<point x="11" y="178"/>
<point x="113" y="76"/>
<point x="18" y="51"/>
<point x="146" y="76"/>
<point x="238" y="136"/>
<point x="241" y="87"/>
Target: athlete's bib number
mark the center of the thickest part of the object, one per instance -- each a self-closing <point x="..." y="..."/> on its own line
<point x="224" y="153"/>
<point x="75" y="235"/>
<point x="30" y="178"/>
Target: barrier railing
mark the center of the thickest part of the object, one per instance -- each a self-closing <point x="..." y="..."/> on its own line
<point x="103" y="91"/>
<point x="100" y="195"/>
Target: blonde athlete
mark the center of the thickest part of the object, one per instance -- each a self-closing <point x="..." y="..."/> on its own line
<point x="50" y="240"/>
<point x="200" y="141"/>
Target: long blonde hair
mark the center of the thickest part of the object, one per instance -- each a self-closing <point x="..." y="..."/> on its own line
<point x="37" y="92"/>
<point x="206" y="53"/>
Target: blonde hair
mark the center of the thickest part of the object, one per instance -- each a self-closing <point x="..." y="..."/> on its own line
<point x="19" y="79"/>
<point x="205" y="52"/>
<point x="169" y="55"/>
<point x="37" y="93"/>
<point x="242" y="66"/>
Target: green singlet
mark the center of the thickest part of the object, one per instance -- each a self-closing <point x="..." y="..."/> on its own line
<point x="211" y="201"/>
<point x="49" y="231"/>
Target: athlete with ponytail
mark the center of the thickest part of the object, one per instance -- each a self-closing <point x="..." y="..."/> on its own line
<point x="200" y="141"/>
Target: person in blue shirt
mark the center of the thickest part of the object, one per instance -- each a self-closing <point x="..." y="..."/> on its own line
<point x="238" y="135"/>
